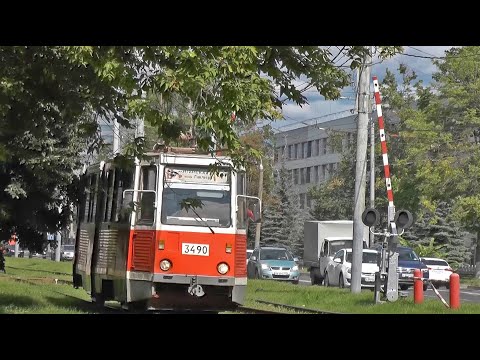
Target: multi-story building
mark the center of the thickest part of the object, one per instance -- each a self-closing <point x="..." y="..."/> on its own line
<point x="308" y="154"/>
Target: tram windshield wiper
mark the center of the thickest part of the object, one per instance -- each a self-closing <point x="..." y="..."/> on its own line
<point x="188" y="206"/>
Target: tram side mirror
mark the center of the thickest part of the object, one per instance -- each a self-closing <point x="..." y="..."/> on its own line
<point x="127" y="204"/>
<point x="249" y="208"/>
<point x="256" y="213"/>
<point x="127" y="201"/>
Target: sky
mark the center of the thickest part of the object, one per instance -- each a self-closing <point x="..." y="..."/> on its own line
<point x="322" y="110"/>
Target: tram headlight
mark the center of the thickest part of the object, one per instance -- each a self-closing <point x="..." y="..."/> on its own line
<point x="222" y="268"/>
<point x="165" y="264"/>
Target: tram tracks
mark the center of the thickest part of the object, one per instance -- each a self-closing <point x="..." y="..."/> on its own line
<point x="278" y="306"/>
<point x="92" y="307"/>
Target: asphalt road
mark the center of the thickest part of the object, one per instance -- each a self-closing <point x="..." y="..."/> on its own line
<point x="466" y="295"/>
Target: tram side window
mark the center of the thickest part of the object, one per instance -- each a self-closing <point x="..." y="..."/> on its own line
<point x="90" y="206"/>
<point x="146" y="210"/>
<point x="109" y="197"/>
<point x="115" y="200"/>
<point x="120" y="211"/>
<point x="241" y="202"/>
<point x="83" y="196"/>
<point x="86" y="208"/>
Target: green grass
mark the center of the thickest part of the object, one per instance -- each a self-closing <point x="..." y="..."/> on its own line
<point x="29" y="287"/>
<point x="20" y="297"/>
<point x="39" y="267"/>
<point x="342" y="300"/>
<point x="470" y="281"/>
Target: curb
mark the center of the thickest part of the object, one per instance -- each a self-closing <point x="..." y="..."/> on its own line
<point x="473" y="287"/>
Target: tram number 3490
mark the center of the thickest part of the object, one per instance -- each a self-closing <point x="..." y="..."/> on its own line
<point x="195" y="249"/>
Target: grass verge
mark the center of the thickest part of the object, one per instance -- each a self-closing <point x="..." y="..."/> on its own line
<point x="19" y="296"/>
<point x="342" y="300"/>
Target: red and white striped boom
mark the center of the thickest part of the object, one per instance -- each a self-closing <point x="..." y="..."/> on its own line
<point x="386" y="166"/>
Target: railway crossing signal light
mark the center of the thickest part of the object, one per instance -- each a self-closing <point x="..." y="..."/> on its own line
<point x="403" y="219"/>
<point x="371" y="217"/>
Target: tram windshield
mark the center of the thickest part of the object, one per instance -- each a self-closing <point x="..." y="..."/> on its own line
<point x="193" y="196"/>
<point x="200" y="207"/>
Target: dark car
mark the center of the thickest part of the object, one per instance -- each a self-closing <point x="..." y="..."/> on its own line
<point x="10" y="251"/>
<point x="408" y="261"/>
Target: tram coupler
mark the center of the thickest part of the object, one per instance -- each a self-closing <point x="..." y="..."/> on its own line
<point x="195" y="289"/>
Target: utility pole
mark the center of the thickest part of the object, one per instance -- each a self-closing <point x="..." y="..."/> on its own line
<point x="260" y="192"/>
<point x="360" y="173"/>
<point x="17" y="247"/>
<point x="372" y="170"/>
<point x="59" y="246"/>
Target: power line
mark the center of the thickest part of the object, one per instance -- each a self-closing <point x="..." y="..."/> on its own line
<point x="442" y="57"/>
<point x="316" y="118"/>
<point x="424" y="52"/>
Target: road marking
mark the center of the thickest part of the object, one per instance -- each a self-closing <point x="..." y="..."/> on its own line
<point x="461" y="292"/>
<point x="305" y="281"/>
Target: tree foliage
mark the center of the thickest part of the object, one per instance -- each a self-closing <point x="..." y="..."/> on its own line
<point x="439" y="158"/>
<point x="283" y="218"/>
<point x="51" y="96"/>
<point x="333" y="199"/>
<point x="437" y="234"/>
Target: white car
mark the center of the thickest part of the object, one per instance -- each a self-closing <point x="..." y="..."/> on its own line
<point x="439" y="271"/>
<point x="338" y="272"/>
<point x="67" y="253"/>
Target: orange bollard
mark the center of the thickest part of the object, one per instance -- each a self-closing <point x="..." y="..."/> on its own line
<point x="454" y="291"/>
<point x="417" y="287"/>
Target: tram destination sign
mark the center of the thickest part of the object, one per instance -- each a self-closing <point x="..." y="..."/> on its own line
<point x="195" y="175"/>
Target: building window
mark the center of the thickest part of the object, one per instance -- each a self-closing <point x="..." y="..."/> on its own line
<point x="316" y="150"/>
<point x="290" y="147"/>
<point x="325" y="172"/>
<point x="295" y="176"/>
<point x="307" y="176"/>
<point x="296" y="151"/>
<point x="309" y="149"/>
<point x="309" y="201"/>
<point x="330" y="170"/>
<point x="302" y="176"/>
<point x="324" y="145"/>
<point x="315" y="174"/>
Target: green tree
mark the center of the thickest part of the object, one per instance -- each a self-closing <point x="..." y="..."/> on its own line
<point x="47" y="103"/>
<point x="283" y="218"/>
<point x="440" y="159"/>
<point x="438" y="235"/>
<point x="51" y="96"/>
<point x="333" y="199"/>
